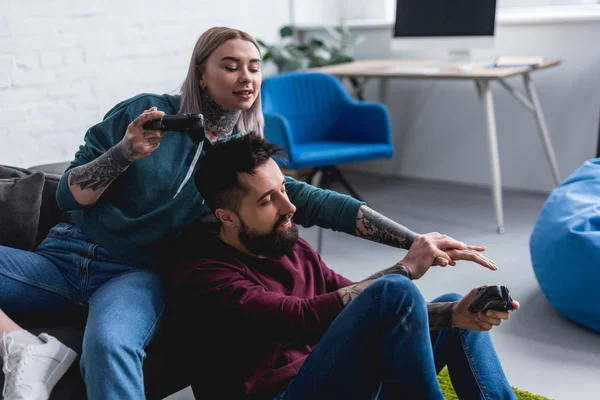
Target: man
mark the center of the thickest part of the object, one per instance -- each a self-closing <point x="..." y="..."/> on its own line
<point x="278" y="324"/>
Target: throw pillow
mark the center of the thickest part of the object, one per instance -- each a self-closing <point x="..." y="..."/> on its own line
<point x="20" y="201"/>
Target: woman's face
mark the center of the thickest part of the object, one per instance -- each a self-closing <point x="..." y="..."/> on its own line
<point x="233" y="75"/>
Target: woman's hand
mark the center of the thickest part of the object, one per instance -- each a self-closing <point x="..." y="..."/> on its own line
<point x="138" y="142"/>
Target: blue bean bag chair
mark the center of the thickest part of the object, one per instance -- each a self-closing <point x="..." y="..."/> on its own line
<point x="565" y="246"/>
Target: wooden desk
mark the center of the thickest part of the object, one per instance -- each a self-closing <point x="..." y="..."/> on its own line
<point x="387" y="69"/>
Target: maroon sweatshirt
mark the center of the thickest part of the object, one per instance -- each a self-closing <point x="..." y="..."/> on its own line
<point x="259" y="317"/>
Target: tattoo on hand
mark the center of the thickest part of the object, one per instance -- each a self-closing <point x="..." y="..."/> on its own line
<point x="378" y="228"/>
<point x="153" y="141"/>
<point x="127" y="149"/>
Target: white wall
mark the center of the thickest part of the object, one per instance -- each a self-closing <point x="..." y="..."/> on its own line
<point x="438" y="127"/>
<point x="65" y="63"/>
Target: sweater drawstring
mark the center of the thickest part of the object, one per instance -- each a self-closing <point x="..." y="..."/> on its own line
<point x="191" y="169"/>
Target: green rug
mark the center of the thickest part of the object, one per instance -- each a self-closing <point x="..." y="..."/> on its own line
<point x="449" y="393"/>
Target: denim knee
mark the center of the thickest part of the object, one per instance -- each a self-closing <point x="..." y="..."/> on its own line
<point x="395" y="288"/>
<point x="106" y="344"/>
<point x="448" y="298"/>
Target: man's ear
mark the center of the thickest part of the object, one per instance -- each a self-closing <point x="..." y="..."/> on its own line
<point x="227" y="217"/>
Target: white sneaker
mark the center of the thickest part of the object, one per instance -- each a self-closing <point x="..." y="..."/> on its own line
<point x="31" y="371"/>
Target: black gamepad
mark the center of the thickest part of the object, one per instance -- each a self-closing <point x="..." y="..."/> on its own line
<point x="192" y="124"/>
<point x="491" y="298"/>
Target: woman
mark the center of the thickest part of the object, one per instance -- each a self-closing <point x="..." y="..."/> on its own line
<point x="128" y="189"/>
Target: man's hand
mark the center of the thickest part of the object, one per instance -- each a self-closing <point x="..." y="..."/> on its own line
<point x="463" y="318"/>
<point x="437" y="249"/>
<point x="472" y="253"/>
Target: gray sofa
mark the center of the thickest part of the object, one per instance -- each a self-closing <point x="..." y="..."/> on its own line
<point x="28" y="210"/>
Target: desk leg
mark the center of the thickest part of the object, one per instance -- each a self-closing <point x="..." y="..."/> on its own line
<point x="541" y="123"/>
<point x="383" y="89"/>
<point x="316" y="182"/>
<point x="487" y="102"/>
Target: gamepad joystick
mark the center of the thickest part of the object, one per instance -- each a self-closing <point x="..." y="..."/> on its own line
<point x="491" y="298"/>
<point x="192" y="124"/>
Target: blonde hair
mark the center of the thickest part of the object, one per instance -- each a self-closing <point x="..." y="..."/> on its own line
<point x="251" y="120"/>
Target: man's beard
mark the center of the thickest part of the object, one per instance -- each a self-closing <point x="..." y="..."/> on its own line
<point x="273" y="244"/>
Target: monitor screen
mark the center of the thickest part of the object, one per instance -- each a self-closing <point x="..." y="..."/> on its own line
<point x="427" y="18"/>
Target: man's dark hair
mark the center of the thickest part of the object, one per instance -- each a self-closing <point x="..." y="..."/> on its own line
<point x="217" y="175"/>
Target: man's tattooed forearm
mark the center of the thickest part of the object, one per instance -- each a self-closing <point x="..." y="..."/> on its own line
<point x="440" y="315"/>
<point x="103" y="170"/>
<point x="349" y="293"/>
<point x="378" y="228"/>
<point x="398" y="268"/>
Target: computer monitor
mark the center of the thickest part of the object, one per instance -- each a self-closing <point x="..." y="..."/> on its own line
<point x="452" y="26"/>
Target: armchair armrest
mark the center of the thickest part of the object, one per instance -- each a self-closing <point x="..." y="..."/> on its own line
<point x="366" y="122"/>
<point x="278" y="131"/>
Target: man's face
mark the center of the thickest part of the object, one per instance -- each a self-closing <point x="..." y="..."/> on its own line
<point x="265" y="213"/>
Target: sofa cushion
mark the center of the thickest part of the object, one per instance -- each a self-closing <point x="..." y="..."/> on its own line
<point x="20" y="201"/>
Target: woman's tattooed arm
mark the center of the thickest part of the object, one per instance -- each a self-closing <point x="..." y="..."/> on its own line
<point x="376" y="227"/>
<point x="87" y="182"/>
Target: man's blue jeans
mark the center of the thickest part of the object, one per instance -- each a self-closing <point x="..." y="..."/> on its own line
<point x="125" y="303"/>
<point x="380" y="347"/>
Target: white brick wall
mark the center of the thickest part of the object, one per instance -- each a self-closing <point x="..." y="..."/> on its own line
<point x="65" y="63"/>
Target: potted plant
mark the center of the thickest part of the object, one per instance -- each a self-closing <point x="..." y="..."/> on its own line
<point x="289" y="55"/>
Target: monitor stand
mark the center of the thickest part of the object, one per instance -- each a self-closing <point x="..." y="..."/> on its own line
<point x="456" y="58"/>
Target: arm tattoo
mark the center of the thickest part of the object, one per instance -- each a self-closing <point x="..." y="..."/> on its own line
<point x="397" y="268"/>
<point x="373" y="226"/>
<point x="349" y="293"/>
<point x="440" y="315"/>
<point x="102" y="171"/>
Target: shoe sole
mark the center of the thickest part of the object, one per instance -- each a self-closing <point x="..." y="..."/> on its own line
<point x="60" y="370"/>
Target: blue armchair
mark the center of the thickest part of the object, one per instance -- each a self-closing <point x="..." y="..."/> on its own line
<point x="320" y="126"/>
<point x="312" y="117"/>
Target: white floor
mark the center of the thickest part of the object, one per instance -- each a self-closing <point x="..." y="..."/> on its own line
<point x="541" y="351"/>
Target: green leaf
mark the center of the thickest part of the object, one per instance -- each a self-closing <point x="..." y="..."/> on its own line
<point x="322" y="54"/>
<point x="333" y="33"/>
<point x="316" y="43"/>
<point x="286" y="31"/>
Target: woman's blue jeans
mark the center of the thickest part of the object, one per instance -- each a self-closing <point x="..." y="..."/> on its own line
<point x="380" y="347"/>
<point x="125" y="304"/>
